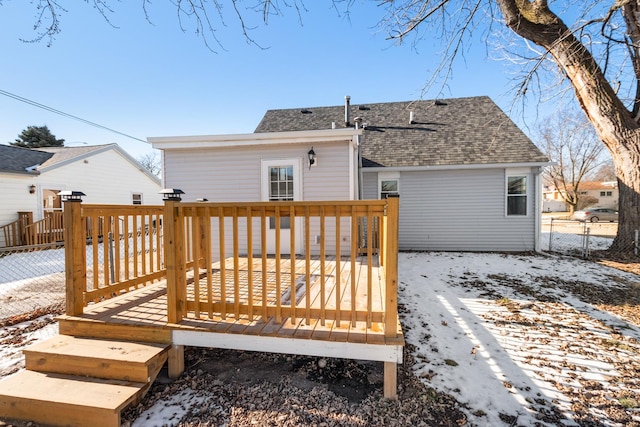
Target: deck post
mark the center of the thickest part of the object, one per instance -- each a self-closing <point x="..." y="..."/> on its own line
<point x="391" y="268"/>
<point x="174" y="258"/>
<point x="390" y="386"/>
<point x="175" y="359"/>
<point x="75" y="255"/>
<point x="391" y="291"/>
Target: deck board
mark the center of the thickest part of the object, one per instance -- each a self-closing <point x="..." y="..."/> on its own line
<point x="147" y="307"/>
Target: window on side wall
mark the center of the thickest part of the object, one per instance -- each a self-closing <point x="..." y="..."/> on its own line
<point x="516" y="195"/>
<point x="388" y="184"/>
<point x="136" y="198"/>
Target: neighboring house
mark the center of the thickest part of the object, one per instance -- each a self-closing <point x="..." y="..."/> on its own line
<point x="30" y="179"/>
<point x="552" y="200"/>
<point x="591" y="194"/>
<point x="467" y="176"/>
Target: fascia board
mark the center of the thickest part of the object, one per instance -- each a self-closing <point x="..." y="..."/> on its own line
<point x="253" y="139"/>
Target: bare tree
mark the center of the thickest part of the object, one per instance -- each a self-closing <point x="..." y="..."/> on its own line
<point x="570" y="141"/>
<point x="597" y="55"/>
<point x="152" y="162"/>
<point x="606" y="172"/>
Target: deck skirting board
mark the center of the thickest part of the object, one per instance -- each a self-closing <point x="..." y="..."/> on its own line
<point x="343" y="350"/>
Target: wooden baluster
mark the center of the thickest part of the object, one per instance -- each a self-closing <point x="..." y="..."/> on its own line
<point x="323" y="302"/>
<point x="249" y="219"/>
<point x="223" y="266"/>
<point x="307" y="269"/>
<point x="263" y="250"/>
<point x="338" y="266"/>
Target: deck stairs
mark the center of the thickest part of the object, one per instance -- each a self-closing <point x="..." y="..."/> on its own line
<point x="70" y="381"/>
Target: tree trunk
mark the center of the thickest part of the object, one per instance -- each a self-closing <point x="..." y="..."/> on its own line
<point x="627" y="164"/>
<point x="612" y="121"/>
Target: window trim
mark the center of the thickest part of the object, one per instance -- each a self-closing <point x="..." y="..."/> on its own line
<point x="388" y="176"/>
<point x="517" y="174"/>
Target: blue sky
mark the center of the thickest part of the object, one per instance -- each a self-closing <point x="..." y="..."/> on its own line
<point x="155" y="80"/>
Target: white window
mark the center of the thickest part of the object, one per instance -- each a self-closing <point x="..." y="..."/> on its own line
<point x="516" y="195"/>
<point x="136" y="198"/>
<point x="281" y="187"/>
<point x="388" y="184"/>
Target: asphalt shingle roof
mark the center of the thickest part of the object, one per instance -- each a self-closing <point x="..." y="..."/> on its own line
<point x="64" y="154"/>
<point x="18" y="159"/>
<point x="457" y="131"/>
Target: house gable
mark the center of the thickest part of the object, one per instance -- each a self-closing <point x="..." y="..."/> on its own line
<point x="63" y="156"/>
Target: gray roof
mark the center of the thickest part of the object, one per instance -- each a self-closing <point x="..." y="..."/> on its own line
<point x="19" y="159"/>
<point x="458" y="131"/>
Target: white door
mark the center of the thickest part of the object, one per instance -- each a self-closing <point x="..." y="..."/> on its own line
<point x="281" y="182"/>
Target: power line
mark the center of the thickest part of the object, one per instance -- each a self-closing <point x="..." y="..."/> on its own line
<point x="62" y="113"/>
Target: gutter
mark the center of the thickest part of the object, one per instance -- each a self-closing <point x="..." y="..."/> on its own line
<point x="456" y="167"/>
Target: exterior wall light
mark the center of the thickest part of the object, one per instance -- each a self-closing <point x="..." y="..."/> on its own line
<point x="32" y="189"/>
<point x="71" y="196"/>
<point x="171" y="194"/>
<point x="312" y="157"/>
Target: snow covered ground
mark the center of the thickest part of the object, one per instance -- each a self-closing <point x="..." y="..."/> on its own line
<point x="518" y="335"/>
<point x="517" y="339"/>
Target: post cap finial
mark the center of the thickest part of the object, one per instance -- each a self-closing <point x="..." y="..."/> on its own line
<point x="71" y="196"/>
<point x="171" y="194"/>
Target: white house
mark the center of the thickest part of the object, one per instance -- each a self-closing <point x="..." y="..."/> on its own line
<point x="30" y="179"/>
<point x="591" y="193"/>
<point x="467" y="176"/>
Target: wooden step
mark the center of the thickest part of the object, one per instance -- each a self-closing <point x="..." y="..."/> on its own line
<point x="106" y="359"/>
<point x="63" y="400"/>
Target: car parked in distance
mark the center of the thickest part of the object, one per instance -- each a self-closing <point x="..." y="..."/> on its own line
<point x="596" y="214"/>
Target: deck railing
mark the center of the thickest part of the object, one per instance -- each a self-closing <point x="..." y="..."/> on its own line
<point x="249" y="240"/>
<point x="14" y="233"/>
<point x="110" y="249"/>
<point x="203" y="249"/>
<point x="49" y="229"/>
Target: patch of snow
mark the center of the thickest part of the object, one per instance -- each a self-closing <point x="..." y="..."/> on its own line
<point x="498" y="360"/>
<point x="168" y="412"/>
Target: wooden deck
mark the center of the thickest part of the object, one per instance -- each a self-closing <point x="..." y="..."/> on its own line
<point x="142" y="314"/>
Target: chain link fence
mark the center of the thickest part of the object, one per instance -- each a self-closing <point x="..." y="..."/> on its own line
<point x="582" y="239"/>
<point x="31" y="278"/>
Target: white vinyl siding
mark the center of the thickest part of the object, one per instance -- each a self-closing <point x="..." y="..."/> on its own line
<point x="233" y="174"/>
<point x="16" y="198"/>
<point x="459" y="210"/>
<point x="370" y="185"/>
